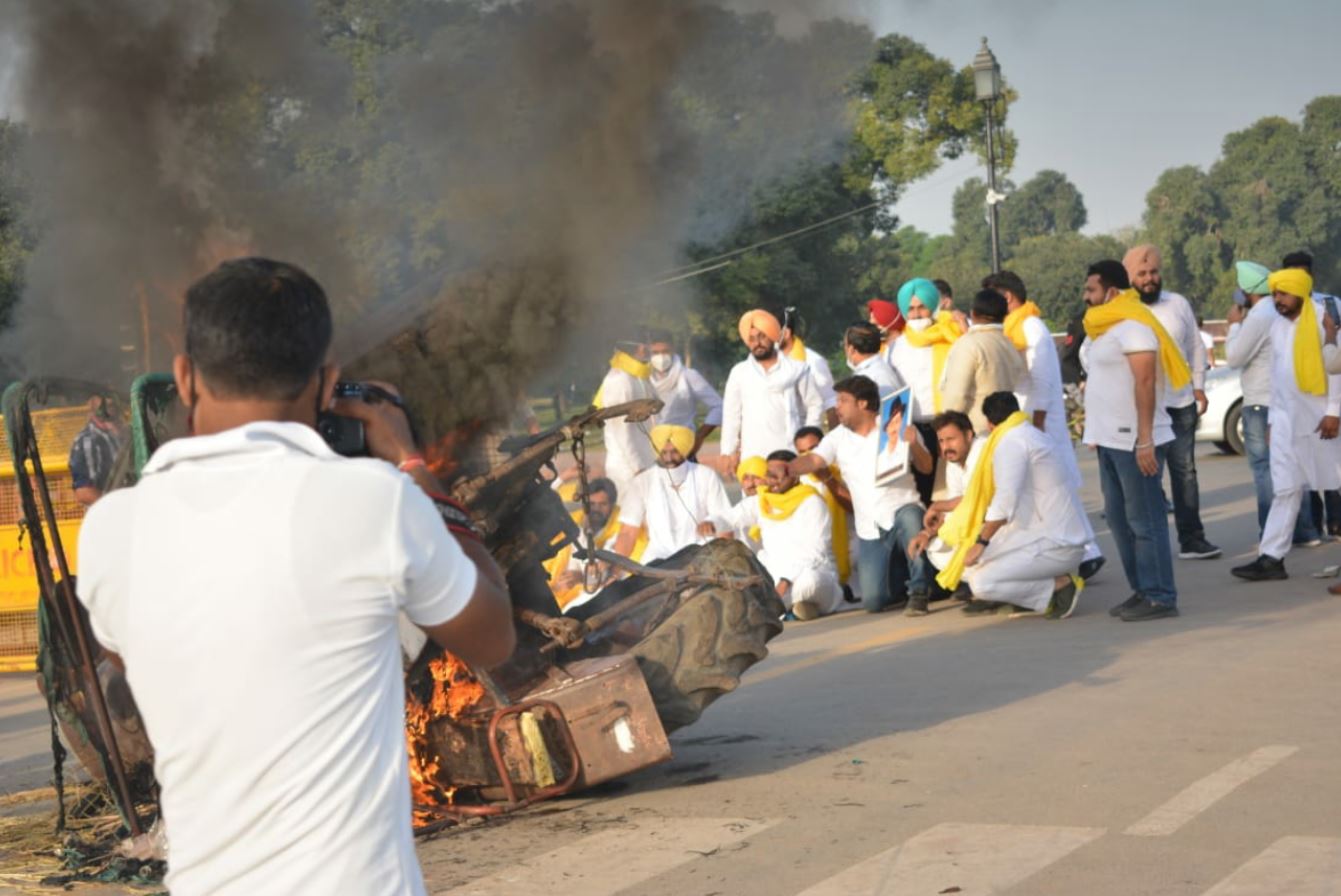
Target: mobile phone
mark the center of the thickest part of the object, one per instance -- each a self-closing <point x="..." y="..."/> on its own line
<point x="1333" y="312"/>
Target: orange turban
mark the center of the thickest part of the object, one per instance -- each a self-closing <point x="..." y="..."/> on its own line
<point x="760" y="320"/>
<point x="1139" y="256"/>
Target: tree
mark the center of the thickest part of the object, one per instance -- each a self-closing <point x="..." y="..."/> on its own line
<point x="17" y="236"/>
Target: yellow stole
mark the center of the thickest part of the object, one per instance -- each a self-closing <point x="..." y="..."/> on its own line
<point x="557" y="564"/>
<point x="1127" y="305"/>
<point x="941" y="335"/>
<point x="778" y="507"/>
<point x="798" y="350"/>
<point x="838" y="516"/>
<point x="627" y="363"/>
<point x="1014" y="323"/>
<point x="1309" y="373"/>
<point x="964" y="524"/>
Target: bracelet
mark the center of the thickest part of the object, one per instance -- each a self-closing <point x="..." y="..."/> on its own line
<point x="455" y="515"/>
<point x="1150" y="444"/>
<point x="413" y="462"/>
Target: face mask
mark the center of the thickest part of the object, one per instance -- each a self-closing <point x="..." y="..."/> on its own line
<point x="677" y="474"/>
<point x="661" y="362"/>
<point x="920" y="324"/>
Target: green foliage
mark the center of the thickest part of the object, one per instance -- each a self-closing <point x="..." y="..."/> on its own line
<point x="17" y="234"/>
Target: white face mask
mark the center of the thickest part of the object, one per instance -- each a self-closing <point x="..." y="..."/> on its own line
<point x="920" y="324"/>
<point x="677" y="474"/>
<point x="661" y="362"/>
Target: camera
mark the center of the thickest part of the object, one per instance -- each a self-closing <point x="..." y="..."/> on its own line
<point x="347" y="436"/>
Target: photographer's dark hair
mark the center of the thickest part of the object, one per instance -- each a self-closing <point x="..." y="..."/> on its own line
<point x="257" y="328"/>
<point x="998" y="406"/>
<point x="1003" y="281"/>
<point x="957" y="419"/>
<point x="862" y="389"/>
<point x="989" y="305"/>
<point x="864" y="338"/>
<point x="1111" y="274"/>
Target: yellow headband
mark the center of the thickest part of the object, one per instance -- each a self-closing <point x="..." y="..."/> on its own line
<point x="682" y="437"/>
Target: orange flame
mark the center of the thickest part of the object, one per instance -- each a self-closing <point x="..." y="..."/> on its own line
<point x="455" y="692"/>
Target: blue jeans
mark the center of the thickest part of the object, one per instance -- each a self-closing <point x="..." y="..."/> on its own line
<point x="883" y="567"/>
<point x="1259" y="458"/>
<point x="1134" y="507"/>
<point x="1182" y="460"/>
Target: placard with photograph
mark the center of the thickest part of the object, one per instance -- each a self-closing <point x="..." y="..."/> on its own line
<point x="896" y="418"/>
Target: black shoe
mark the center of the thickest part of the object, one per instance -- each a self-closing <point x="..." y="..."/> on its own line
<point x="849" y="597"/>
<point x="1119" y="609"/>
<point x="1063" y="602"/>
<point x="1198" y="549"/>
<point x="1090" y="568"/>
<point x="962" y="593"/>
<point x="977" y="607"/>
<point x="1264" y="569"/>
<point x="1148" y="610"/>
<point x="917" y="605"/>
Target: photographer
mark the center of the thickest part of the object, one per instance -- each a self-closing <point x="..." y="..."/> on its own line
<point x="251" y="584"/>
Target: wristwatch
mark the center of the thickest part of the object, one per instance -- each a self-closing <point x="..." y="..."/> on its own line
<point x="984" y="541"/>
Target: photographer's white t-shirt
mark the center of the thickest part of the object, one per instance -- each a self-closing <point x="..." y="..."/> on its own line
<point x="251" y="583"/>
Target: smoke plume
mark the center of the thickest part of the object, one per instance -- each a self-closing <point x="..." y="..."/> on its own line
<point x="480" y="186"/>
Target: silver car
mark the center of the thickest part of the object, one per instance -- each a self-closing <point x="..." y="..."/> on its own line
<point x="1222" y="424"/>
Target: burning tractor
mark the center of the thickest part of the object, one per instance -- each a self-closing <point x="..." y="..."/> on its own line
<point x="586" y="697"/>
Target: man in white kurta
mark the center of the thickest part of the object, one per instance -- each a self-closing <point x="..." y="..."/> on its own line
<point x="1034" y="527"/>
<point x="1304" y="448"/>
<point x="768" y="396"/>
<point x="675" y="500"/>
<point x="796" y="532"/>
<point x="683" y="391"/>
<point x="628" y="447"/>
<point x="862" y="345"/>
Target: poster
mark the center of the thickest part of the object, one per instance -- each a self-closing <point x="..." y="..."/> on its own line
<point x="896" y="417"/>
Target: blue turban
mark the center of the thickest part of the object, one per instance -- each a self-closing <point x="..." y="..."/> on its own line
<point x="923" y="289"/>
<point x="1252" y="277"/>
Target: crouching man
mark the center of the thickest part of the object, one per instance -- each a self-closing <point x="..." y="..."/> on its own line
<point x="285" y="772"/>
<point x="1018" y="532"/>
<point x="796" y="531"/>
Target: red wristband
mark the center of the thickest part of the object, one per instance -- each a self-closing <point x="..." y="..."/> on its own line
<point x="413" y="462"/>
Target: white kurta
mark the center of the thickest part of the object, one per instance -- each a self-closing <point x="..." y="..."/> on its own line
<point x="672" y="504"/>
<point x="819" y="369"/>
<point x="1180" y="321"/>
<point x="682" y="391"/>
<point x="915" y="366"/>
<point x="1299" y="458"/>
<point x="763" y="409"/>
<point x="1044" y="535"/>
<point x="628" y="446"/>
<point x="877" y="370"/>
<point x="798" y="549"/>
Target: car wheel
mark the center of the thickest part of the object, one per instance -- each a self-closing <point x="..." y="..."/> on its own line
<point x="1234" y="428"/>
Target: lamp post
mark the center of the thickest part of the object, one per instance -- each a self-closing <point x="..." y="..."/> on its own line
<point x="987" y="87"/>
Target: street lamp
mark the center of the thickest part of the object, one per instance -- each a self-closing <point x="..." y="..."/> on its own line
<point x="987" y="88"/>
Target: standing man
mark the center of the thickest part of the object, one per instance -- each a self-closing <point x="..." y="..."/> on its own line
<point x="795" y="348"/>
<point x="947" y="294"/>
<point x="887" y="517"/>
<point x="795" y="529"/>
<point x="1186" y="404"/>
<point x="95" y="450"/>
<point x="286" y="773"/>
<point x="768" y="397"/>
<point x="628" y="447"/>
<point x="1248" y="349"/>
<point x="861" y="344"/>
<point x="1304" y="418"/>
<point x="682" y="391"/>
<point x="886" y="316"/>
<point x="674" y="501"/>
<point x="1017" y="532"/>
<point x="1043" y="400"/>
<point x="982" y="362"/>
<point x="1130" y="358"/>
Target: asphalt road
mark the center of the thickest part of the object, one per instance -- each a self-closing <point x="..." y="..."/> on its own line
<point x="886" y="755"/>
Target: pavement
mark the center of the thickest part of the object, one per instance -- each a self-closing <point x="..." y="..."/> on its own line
<point x="881" y="755"/>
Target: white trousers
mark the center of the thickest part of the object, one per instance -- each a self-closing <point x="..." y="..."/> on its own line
<point x="1055" y="426"/>
<point x="816" y="586"/>
<point x="1278" y="533"/>
<point x="1022" y="573"/>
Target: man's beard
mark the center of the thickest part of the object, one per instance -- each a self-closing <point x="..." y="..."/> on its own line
<point x="598" y="522"/>
<point x="763" y="354"/>
<point x="1151" y="298"/>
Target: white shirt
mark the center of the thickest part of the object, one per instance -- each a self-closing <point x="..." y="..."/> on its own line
<point x="801" y="542"/>
<point x="1178" y="318"/>
<point x="1248" y="347"/>
<point x="1110" y="390"/>
<point x="819" y="369"/>
<point x="252" y="582"/>
<point x="1044" y="392"/>
<point x="672" y="503"/>
<point x="1033" y="489"/>
<point x="628" y="446"/>
<point x="873" y="506"/>
<point x="681" y="390"/>
<point x="914" y="365"/>
<point x="763" y="409"/>
<point x="877" y="370"/>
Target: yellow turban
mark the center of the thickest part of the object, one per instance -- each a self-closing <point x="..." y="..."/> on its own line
<point x="1309" y="373"/>
<point x="752" y="466"/>
<point x="682" y="437"/>
<point x="760" y="320"/>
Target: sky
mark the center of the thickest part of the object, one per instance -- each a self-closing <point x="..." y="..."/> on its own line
<point x="1112" y="94"/>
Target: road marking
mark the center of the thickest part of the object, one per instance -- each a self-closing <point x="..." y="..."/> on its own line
<point x="1203" y="794"/>
<point x="613" y="861"/>
<point x="1299" y="866"/>
<point x="966" y="859"/>
<point x="888" y="639"/>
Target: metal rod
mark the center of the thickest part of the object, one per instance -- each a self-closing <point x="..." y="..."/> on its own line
<point x="991" y="187"/>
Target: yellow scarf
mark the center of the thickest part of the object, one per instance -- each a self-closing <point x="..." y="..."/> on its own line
<point x="941" y="335"/>
<point x="1127" y="305"/>
<point x="778" y="507"/>
<point x="838" y="517"/>
<point x="1014" y="324"/>
<point x="627" y="363"/>
<point x="1309" y="373"/>
<point x="964" y="524"/>
<point x="557" y="564"/>
<point x="798" y="350"/>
